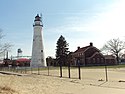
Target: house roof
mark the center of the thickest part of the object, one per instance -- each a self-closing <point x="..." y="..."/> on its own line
<point x="23" y="60"/>
<point x="82" y="49"/>
<point x="96" y="54"/>
<point x="109" y="57"/>
<point x="123" y="56"/>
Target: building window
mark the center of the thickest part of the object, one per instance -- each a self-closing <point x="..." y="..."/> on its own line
<point x="102" y="60"/>
<point x="42" y="60"/>
<point x="93" y="60"/>
<point x="98" y="60"/>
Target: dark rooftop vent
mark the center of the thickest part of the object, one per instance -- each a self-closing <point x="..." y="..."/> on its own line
<point x="78" y="48"/>
<point x="91" y="44"/>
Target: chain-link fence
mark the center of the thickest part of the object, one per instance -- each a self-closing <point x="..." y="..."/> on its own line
<point x="97" y="73"/>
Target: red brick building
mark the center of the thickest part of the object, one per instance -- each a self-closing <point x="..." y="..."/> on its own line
<point x="88" y="56"/>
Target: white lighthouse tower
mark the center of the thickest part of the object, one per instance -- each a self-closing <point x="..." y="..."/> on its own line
<point x="37" y="59"/>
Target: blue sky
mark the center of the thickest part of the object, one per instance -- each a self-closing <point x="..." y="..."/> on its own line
<point x="79" y="21"/>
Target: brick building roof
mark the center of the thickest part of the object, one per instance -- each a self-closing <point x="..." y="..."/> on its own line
<point x="23" y="60"/>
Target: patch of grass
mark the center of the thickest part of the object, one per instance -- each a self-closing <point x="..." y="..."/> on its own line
<point x="72" y="67"/>
<point x="117" y="66"/>
<point x="66" y="67"/>
<point x="101" y="67"/>
<point x="7" y="90"/>
<point x="43" y="68"/>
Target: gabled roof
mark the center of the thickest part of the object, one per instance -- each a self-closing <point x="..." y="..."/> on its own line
<point x="109" y="57"/>
<point x="23" y="60"/>
<point x="82" y="49"/>
<point x="96" y="53"/>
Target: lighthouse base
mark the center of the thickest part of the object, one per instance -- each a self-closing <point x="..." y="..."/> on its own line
<point x="37" y="64"/>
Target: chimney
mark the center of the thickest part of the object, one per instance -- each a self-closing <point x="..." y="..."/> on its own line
<point x="91" y="44"/>
<point x="78" y="47"/>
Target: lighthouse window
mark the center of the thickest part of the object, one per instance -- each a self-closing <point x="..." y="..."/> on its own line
<point x="42" y="60"/>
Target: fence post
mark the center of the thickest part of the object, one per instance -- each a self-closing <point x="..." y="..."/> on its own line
<point x="69" y="69"/>
<point x="38" y="71"/>
<point x="60" y="69"/>
<point x="25" y="69"/>
<point x="48" y="69"/>
<point x="78" y="62"/>
<point x="106" y="74"/>
<point x="79" y="72"/>
<point x="31" y="70"/>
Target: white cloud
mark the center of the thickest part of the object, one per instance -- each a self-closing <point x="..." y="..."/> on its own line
<point x="98" y="27"/>
<point x="111" y="23"/>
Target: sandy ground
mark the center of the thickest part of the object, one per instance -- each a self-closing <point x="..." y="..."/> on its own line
<point x="92" y="82"/>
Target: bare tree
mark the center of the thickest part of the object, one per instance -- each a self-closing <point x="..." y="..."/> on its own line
<point x="4" y="47"/>
<point x="114" y="46"/>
